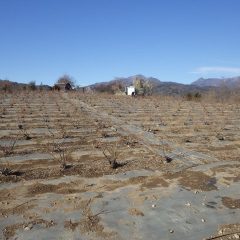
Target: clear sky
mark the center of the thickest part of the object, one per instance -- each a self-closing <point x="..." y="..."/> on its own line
<point x="98" y="40"/>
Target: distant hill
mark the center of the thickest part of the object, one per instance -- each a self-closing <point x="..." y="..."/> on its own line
<point x="159" y="87"/>
<point x="6" y="84"/>
<point x="217" y="82"/>
<point x="9" y="85"/>
<point x="173" y="88"/>
<point x="127" y="81"/>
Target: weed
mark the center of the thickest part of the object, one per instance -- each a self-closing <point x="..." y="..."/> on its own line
<point x="63" y="131"/>
<point x="164" y="147"/>
<point x="129" y="141"/>
<point x="3" y="111"/>
<point x="24" y="132"/>
<point x="7" y="171"/>
<point x="110" y="152"/>
<point x="8" y="149"/>
<point x="59" y="152"/>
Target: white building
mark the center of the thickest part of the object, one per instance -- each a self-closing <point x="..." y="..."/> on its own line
<point x="130" y="90"/>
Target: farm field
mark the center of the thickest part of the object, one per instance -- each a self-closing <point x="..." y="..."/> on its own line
<point x="174" y="171"/>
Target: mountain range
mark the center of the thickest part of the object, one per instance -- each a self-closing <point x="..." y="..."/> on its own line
<point x="174" y="88"/>
<point x="159" y="87"/>
<point x="218" y="82"/>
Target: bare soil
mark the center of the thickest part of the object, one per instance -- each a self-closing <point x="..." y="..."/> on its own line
<point x="177" y="167"/>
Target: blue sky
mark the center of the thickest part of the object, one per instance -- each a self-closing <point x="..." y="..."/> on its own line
<point x="98" y="40"/>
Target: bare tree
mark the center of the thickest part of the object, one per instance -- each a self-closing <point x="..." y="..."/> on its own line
<point x="110" y="152"/>
<point x="143" y="86"/>
<point x="66" y="79"/>
<point x="32" y="85"/>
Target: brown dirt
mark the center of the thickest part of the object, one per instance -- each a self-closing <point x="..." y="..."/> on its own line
<point x="137" y="180"/>
<point x="61" y="188"/>
<point x="135" y="212"/>
<point x="71" y="225"/>
<point x="11" y="178"/>
<point x="6" y="194"/>
<point x="91" y="222"/>
<point x="226" y="232"/>
<point x="226" y="168"/>
<point x="10" y="230"/>
<point x="19" y="209"/>
<point x="234" y="179"/>
<point x="145" y="181"/>
<point x="231" y="203"/>
<point x="113" y="185"/>
<point x="92" y="168"/>
<point x="154" y="182"/>
<point x="194" y="180"/>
